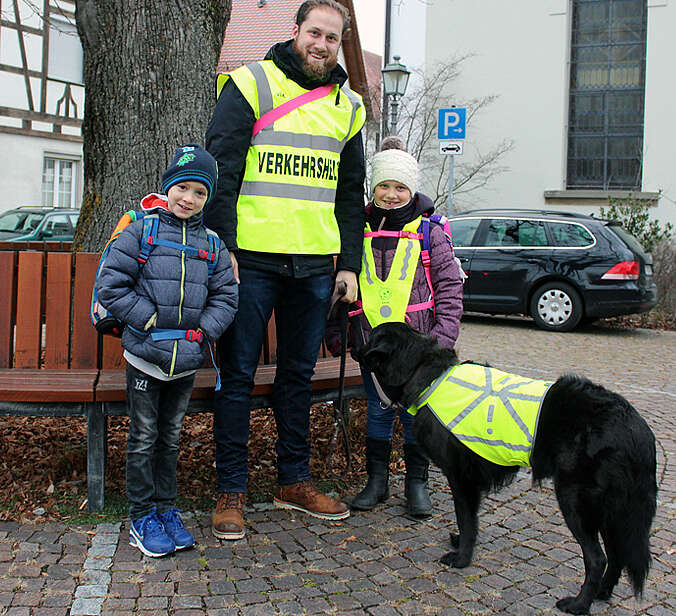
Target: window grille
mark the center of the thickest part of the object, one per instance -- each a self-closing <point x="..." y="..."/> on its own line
<point x="607" y="91"/>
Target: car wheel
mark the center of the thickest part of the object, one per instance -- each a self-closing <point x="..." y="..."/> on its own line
<point x="556" y="306"/>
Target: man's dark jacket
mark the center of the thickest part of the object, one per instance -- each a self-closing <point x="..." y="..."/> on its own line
<point x="228" y="138"/>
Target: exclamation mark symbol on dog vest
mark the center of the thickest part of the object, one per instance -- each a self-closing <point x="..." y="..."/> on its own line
<point x="491" y="408"/>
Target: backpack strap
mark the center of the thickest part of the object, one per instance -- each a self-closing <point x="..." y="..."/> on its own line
<point x="424" y="231"/>
<point x="191" y="335"/>
<point x="399" y="234"/>
<point x="149" y="238"/>
<point x="215" y="249"/>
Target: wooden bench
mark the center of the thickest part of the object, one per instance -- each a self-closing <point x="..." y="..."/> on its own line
<point x="53" y="363"/>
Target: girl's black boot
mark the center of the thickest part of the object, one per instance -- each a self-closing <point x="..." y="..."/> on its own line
<point x="418" y="503"/>
<point x="378" y="469"/>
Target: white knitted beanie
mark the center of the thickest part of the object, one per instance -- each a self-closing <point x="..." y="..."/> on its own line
<point x="397" y="166"/>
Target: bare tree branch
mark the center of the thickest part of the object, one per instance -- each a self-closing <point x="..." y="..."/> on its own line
<point x="417" y="125"/>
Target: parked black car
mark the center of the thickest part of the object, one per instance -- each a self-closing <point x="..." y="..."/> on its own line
<point x="37" y="224"/>
<point x="558" y="267"/>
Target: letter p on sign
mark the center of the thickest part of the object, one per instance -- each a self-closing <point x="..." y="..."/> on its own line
<point x="451" y="123"/>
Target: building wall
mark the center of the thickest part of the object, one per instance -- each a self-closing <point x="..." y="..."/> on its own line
<point x="407" y="35"/>
<point x="23" y="165"/>
<point x="520" y="52"/>
<point x="659" y="166"/>
<point x="41" y="99"/>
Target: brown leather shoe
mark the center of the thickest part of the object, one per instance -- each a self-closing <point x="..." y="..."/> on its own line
<point x="227" y="520"/>
<point x="305" y="497"/>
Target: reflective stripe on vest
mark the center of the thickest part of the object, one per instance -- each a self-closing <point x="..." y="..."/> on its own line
<point x="494" y="413"/>
<point x="287" y="198"/>
<point x="386" y="300"/>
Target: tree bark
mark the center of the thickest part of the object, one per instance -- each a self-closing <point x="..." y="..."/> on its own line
<point x="149" y="75"/>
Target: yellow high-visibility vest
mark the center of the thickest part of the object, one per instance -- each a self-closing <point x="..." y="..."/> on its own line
<point x="287" y="198"/>
<point x="386" y="300"/>
<point x="494" y="413"/>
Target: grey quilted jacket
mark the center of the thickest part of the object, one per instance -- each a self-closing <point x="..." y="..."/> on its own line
<point x="175" y="285"/>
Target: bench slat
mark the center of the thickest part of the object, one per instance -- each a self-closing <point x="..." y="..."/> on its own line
<point x="111" y="384"/>
<point x="29" y="310"/>
<point x="7" y="304"/>
<point x="57" y="310"/>
<point x="35" y="385"/>
<point x="84" y="337"/>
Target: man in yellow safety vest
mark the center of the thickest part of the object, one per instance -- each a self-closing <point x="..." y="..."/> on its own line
<point x="286" y="133"/>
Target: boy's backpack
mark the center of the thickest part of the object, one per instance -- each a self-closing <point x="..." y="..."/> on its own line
<point x="101" y="319"/>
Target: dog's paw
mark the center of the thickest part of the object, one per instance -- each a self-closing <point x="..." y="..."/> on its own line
<point x="572" y="605"/>
<point x="455" y="559"/>
<point x="455" y="540"/>
<point x="604" y="593"/>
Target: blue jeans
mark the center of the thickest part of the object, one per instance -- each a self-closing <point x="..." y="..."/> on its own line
<point x="301" y="306"/>
<point x="380" y="418"/>
<point x="156" y="411"/>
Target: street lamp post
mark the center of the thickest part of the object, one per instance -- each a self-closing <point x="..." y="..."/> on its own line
<point x="395" y="80"/>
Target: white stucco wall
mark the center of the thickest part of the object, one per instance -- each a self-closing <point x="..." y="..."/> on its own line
<point x="520" y="53"/>
<point x="23" y="164"/>
<point x="659" y="145"/>
<point x="407" y="35"/>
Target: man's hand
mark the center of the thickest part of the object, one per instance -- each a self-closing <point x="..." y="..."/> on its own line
<point x="235" y="266"/>
<point x="350" y="280"/>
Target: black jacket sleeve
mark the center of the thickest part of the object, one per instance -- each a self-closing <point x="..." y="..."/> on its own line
<point x="227" y="139"/>
<point x="350" y="204"/>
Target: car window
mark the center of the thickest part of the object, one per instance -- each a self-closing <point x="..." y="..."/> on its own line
<point x="12" y="221"/>
<point x="570" y="235"/>
<point x="20" y="222"/>
<point x="57" y="226"/>
<point x="463" y="230"/>
<point x="514" y="232"/>
<point x="627" y="238"/>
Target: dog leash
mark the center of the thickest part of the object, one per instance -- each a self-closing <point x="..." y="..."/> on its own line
<point x="340" y="410"/>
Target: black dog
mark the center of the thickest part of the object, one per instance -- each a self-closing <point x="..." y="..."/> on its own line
<point x="591" y="441"/>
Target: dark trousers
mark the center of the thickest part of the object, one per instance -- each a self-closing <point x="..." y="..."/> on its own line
<point x="380" y="418"/>
<point x="301" y="306"/>
<point x="156" y="410"/>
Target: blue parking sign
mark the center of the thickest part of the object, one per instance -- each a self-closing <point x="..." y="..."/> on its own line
<point x="451" y="124"/>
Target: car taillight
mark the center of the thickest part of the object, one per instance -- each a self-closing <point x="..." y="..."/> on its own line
<point x="626" y="270"/>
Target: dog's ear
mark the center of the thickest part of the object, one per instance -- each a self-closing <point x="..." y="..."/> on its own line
<point x="372" y="358"/>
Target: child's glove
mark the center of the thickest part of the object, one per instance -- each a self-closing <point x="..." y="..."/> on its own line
<point x="151" y="322"/>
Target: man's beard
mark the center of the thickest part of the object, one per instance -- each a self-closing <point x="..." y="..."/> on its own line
<point x="313" y="71"/>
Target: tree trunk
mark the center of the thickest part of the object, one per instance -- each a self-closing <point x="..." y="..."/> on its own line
<point x="149" y="75"/>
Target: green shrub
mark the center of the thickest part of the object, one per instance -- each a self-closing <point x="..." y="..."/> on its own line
<point x="635" y="217"/>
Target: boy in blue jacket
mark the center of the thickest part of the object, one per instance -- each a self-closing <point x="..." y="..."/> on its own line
<point x="171" y="308"/>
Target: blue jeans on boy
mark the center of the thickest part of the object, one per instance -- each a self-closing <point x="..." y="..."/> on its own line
<point x="156" y="410"/>
<point x="380" y="418"/>
<point x="301" y="307"/>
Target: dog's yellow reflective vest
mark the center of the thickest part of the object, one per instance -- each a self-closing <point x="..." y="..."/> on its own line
<point x="494" y="413"/>
<point x="287" y="197"/>
<point x="386" y="300"/>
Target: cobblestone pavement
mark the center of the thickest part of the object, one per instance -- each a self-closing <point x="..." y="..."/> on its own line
<point x="377" y="563"/>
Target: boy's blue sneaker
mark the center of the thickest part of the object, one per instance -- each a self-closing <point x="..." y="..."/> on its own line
<point x="173" y="526"/>
<point x="148" y="535"/>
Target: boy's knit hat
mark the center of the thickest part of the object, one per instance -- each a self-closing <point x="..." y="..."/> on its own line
<point x="395" y="165"/>
<point x="191" y="162"/>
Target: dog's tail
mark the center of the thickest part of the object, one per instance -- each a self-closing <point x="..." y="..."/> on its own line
<point x="629" y="532"/>
<point x="636" y="546"/>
